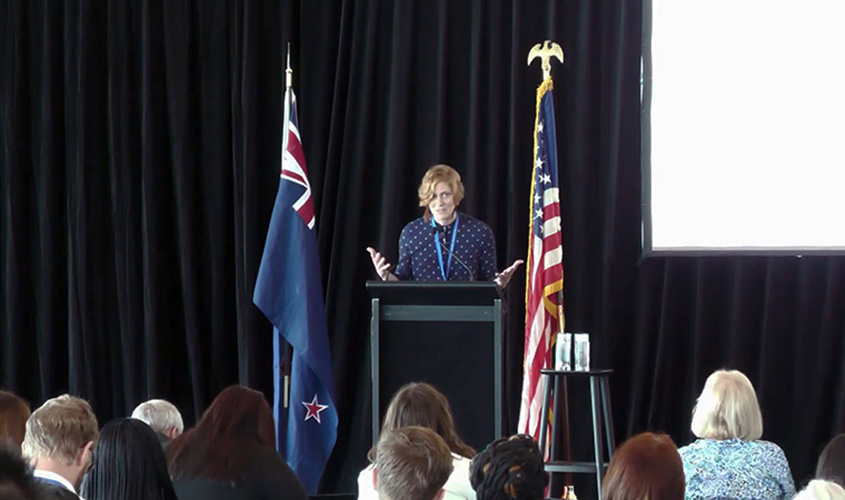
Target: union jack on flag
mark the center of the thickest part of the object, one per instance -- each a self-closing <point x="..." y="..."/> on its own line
<point x="293" y="167"/>
<point x="544" y="282"/>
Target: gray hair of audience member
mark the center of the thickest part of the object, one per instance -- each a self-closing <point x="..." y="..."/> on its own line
<point x="161" y="415"/>
<point x="819" y="489"/>
<point x="509" y="468"/>
<point x="727" y="408"/>
<point x="60" y="429"/>
<point x="412" y="463"/>
<point x="831" y="464"/>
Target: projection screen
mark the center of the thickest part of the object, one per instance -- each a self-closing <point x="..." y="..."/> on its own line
<point x="743" y="126"/>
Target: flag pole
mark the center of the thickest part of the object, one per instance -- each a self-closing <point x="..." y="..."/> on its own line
<point x="288" y="354"/>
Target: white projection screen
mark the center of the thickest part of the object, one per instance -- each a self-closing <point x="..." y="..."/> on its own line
<point x="744" y="126"/>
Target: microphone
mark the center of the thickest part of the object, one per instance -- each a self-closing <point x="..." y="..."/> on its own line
<point x="443" y="234"/>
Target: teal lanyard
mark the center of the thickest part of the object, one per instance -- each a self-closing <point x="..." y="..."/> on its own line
<point x="445" y="272"/>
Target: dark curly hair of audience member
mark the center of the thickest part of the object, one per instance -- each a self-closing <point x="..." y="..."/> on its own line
<point x="129" y="464"/>
<point x="645" y="466"/>
<point x="14" y="412"/>
<point x="509" y="468"/>
<point x="16" y="483"/>
<point x="831" y="464"/>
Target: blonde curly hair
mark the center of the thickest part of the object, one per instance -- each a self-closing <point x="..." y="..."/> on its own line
<point x="435" y="174"/>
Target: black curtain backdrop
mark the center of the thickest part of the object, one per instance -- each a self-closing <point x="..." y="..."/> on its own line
<point x="140" y="142"/>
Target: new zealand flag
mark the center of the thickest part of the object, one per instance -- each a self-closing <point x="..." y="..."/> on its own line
<point x="288" y="290"/>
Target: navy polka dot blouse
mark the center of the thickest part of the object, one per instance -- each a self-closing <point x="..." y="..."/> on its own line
<point x="474" y="245"/>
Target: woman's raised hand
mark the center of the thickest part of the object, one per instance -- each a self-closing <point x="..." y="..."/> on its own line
<point x="503" y="278"/>
<point x="381" y="265"/>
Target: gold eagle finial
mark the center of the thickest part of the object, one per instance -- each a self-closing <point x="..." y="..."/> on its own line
<point x="545" y="51"/>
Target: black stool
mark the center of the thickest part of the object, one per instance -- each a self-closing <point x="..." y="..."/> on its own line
<point x="600" y="406"/>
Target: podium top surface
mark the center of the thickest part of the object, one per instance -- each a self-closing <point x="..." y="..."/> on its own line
<point x="434" y="292"/>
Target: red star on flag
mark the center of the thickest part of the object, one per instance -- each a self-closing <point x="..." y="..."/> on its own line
<point x="314" y="408"/>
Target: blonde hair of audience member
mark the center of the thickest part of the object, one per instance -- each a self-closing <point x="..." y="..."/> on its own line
<point x="831" y="464"/>
<point x="161" y="416"/>
<point x="647" y="466"/>
<point x="421" y="404"/>
<point x="412" y="463"/>
<point x="818" y="489"/>
<point x="60" y="437"/>
<point x="433" y="176"/>
<point x="727" y="408"/>
<point x="14" y="413"/>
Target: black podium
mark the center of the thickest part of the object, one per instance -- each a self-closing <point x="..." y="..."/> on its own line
<point x="447" y="334"/>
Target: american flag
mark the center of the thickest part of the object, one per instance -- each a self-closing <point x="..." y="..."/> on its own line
<point x="543" y="301"/>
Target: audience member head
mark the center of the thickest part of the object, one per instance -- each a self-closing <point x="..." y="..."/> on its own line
<point x="14" y="412"/>
<point x="16" y="483"/>
<point x="161" y="416"/>
<point x="509" y="469"/>
<point x="412" y="463"/>
<point x="130" y="464"/>
<point x="422" y="405"/>
<point x="60" y="437"/>
<point x="727" y="408"/>
<point x="238" y="416"/>
<point x="831" y="465"/>
<point x="647" y="466"/>
<point x="818" y="489"/>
